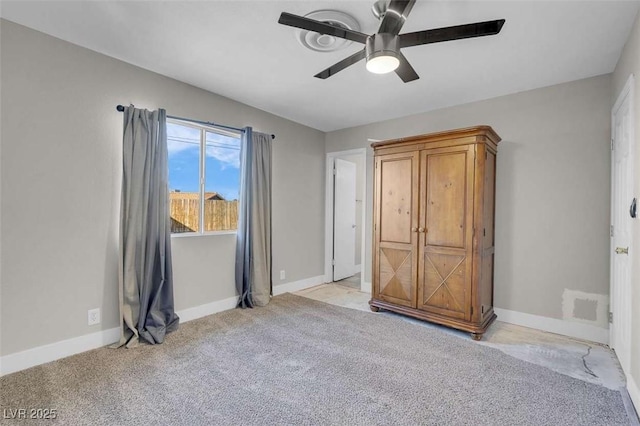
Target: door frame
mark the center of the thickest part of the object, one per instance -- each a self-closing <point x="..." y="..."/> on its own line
<point x="328" y="214"/>
<point x="627" y="92"/>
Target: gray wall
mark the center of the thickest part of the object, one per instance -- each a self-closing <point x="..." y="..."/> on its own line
<point x="60" y="182"/>
<point x="552" y="190"/>
<point x="629" y="63"/>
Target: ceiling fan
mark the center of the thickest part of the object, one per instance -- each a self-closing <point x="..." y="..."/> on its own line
<point x="382" y="49"/>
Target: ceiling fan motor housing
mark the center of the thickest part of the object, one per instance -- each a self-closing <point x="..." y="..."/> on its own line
<point x="382" y="44"/>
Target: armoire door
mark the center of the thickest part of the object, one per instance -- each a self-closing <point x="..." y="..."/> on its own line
<point x="445" y="246"/>
<point x="396" y="218"/>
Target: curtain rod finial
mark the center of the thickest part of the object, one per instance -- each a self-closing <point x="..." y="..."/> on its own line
<point x="120" y="108"/>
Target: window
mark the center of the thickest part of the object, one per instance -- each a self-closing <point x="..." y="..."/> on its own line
<point x="204" y="178"/>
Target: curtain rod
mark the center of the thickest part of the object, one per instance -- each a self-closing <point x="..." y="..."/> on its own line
<point x="207" y="123"/>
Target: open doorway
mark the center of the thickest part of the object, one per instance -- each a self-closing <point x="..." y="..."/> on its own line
<point x="345" y="204"/>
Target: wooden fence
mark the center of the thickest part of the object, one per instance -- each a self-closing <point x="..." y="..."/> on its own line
<point x="219" y="215"/>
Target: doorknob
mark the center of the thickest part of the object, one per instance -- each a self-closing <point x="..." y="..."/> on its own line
<point x="621" y="250"/>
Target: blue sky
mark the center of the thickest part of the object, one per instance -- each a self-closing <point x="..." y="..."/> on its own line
<point x="221" y="165"/>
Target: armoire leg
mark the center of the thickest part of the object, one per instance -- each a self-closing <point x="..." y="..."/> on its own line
<point x="476" y="336"/>
<point x="374" y="308"/>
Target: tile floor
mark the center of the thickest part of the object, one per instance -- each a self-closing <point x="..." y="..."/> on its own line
<point x="351" y="282"/>
<point x="588" y="361"/>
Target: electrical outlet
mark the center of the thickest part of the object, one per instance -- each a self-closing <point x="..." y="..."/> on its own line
<point x="282" y="275"/>
<point x="93" y="316"/>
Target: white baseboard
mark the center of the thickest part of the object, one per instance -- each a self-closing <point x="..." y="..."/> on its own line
<point x="189" y="314"/>
<point x="552" y="325"/>
<point x="634" y="392"/>
<point x="298" y="285"/>
<point x="53" y="351"/>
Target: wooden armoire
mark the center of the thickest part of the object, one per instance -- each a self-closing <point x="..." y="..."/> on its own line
<point x="433" y="242"/>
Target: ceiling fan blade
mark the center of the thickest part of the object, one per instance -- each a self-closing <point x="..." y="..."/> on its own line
<point x="321" y="27"/>
<point x="395" y="16"/>
<point x="478" y="29"/>
<point x="405" y="71"/>
<point x="346" y="62"/>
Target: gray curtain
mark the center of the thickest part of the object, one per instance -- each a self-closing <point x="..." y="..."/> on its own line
<point x="146" y="279"/>
<point x="253" y="249"/>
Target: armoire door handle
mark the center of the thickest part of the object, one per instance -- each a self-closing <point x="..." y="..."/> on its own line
<point x="420" y="229"/>
<point x="414" y="229"/>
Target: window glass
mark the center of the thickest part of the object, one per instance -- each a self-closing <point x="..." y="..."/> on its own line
<point x="221" y="181"/>
<point x="204" y="178"/>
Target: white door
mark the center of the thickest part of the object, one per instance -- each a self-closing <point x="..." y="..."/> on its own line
<point x="344" y="220"/>
<point x="621" y="197"/>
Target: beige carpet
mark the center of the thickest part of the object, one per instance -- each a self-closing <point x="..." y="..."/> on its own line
<point x="298" y="361"/>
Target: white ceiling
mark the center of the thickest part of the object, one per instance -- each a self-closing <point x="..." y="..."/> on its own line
<point x="238" y="50"/>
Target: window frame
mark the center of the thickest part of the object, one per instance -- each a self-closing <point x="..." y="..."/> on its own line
<point x="203" y="129"/>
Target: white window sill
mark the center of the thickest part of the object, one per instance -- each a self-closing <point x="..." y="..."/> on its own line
<point x="206" y="234"/>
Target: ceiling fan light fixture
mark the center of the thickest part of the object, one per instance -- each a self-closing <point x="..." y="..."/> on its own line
<point x="382" y="53"/>
<point x="384" y="63"/>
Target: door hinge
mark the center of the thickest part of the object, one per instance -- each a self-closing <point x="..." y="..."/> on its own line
<point x="610" y="317"/>
<point x="612" y="144"/>
<point x="484" y="232"/>
<point x="472" y="310"/>
<point x="333" y="262"/>
<point x="334" y="171"/>
<point x="482" y="309"/>
<point x="611" y="231"/>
